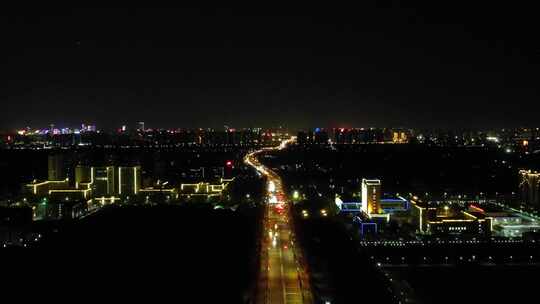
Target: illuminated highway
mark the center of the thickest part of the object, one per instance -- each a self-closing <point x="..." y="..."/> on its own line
<point x="283" y="277"/>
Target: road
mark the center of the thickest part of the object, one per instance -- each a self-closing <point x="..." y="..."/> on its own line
<point x="283" y="277"/>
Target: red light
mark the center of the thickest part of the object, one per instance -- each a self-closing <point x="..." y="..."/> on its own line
<point x="229" y="163"/>
<point x="477" y="208"/>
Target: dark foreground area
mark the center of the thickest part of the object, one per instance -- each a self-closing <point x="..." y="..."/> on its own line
<point x="472" y="284"/>
<point x="339" y="272"/>
<point x="187" y="254"/>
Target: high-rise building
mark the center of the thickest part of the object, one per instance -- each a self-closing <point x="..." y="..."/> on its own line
<point x="346" y="136"/>
<point x="214" y="173"/>
<point x="400" y="136"/>
<point x="109" y="180"/>
<point x="104" y="181"/>
<point x="320" y="136"/>
<point x="141" y="126"/>
<point x="530" y="188"/>
<point x="56" y="167"/>
<point x="129" y="180"/>
<point x="83" y="175"/>
<point x="301" y="138"/>
<point x="371" y="196"/>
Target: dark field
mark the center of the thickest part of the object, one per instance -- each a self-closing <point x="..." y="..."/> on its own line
<point x="190" y="254"/>
<point x="477" y="284"/>
<point x="339" y="272"/>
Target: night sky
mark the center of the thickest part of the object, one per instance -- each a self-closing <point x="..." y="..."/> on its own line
<point x="371" y="65"/>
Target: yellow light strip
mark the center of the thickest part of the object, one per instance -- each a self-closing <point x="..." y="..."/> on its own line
<point x="470" y="215"/>
<point x="84" y="192"/>
<point x="68" y="190"/>
<point x="36" y="184"/>
<point x="119" y="180"/>
<point x="451" y="221"/>
<point x="156" y="190"/>
<point x="135" y="180"/>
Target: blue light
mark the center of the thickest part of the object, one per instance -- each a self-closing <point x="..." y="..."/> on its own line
<point x="351" y="207"/>
<point x="366" y="224"/>
<point x="389" y="209"/>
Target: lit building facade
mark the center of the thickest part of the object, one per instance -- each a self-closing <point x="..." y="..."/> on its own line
<point x="390" y="205"/>
<point x="371" y="196"/>
<point x="129" y="180"/>
<point x="461" y="223"/>
<point x="95" y="187"/>
<point x="103" y="181"/>
<point x="447" y="221"/>
<point x="83" y="176"/>
<point x="530" y="188"/>
<point x="400" y="136"/>
<point x="109" y="181"/>
<point x="43" y="188"/>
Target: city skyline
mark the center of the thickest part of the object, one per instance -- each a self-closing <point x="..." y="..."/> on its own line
<point x="386" y="152"/>
<point x="127" y="126"/>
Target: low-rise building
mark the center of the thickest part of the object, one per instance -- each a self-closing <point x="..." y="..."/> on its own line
<point x="449" y="220"/>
